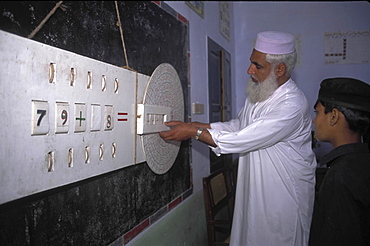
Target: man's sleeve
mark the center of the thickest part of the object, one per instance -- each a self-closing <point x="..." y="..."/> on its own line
<point x="263" y="132"/>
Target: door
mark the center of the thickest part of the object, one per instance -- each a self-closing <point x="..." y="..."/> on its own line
<point x="219" y="86"/>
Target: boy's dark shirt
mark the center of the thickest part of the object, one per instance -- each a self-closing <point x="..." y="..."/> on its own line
<point x="342" y="206"/>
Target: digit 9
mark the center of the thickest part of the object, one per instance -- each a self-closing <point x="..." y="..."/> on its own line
<point x="64" y="116"/>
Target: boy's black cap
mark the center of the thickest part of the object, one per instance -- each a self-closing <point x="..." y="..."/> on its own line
<point x="347" y="92"/>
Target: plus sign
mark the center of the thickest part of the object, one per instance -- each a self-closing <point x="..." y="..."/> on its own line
<point x="80" y="119"/>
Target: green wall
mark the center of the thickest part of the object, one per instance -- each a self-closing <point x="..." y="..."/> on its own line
<point x="185" y="226"/>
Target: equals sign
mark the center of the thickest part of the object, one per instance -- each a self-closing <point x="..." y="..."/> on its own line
<point x="120" y="116"/>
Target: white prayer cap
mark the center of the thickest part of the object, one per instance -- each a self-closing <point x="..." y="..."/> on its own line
<point x="273" y="42"/>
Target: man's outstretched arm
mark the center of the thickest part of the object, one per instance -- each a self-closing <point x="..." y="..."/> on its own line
<point x="182" y="131"/>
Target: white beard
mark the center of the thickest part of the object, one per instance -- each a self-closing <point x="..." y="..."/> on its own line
<point x="260" y="91"/>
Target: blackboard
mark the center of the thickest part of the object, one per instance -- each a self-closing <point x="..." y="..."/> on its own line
<point x="99" y="210"/>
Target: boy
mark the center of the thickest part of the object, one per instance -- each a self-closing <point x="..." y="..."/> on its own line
<point x="342" y="206"/>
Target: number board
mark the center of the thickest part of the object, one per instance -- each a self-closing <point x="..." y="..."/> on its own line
<point x="64" y="117"/>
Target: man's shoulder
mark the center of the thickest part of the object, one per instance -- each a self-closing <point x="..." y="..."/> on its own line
<point x="289" y="88"/>
<point x="292" y="96"/>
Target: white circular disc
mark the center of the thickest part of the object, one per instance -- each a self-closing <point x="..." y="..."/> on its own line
<point x="163" y="89"/>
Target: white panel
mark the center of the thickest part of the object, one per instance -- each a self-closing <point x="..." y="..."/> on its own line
<point x="151" y="118"/>
<point x="66" y="144"/>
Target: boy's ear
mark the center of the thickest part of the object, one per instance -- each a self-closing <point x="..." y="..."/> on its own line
<point x="334" y="116"/>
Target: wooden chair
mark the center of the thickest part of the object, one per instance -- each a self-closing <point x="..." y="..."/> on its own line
<point x="219" y="197"/>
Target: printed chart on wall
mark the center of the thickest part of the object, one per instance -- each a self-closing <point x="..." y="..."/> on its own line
<point x="350" y="47"/>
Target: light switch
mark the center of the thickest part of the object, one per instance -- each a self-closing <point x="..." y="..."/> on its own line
<point x="95" y="117"/>
<point x="62" y="117"/>
<point x="40" y="118"/>
<point x="80" y="117"/>
<point x="198" y="108"/>
<point x="108" y="117"/>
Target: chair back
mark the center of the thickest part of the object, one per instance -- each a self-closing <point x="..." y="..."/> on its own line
<point x="219" y="198"/>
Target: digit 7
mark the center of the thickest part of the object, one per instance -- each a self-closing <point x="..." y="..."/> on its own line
<point x="42" y="113"/>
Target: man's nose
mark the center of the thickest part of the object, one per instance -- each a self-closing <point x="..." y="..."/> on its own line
<point x="250" y="70"/>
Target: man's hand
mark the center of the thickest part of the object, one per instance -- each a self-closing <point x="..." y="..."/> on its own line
<point x="179" y="131"/>
<point x="182" y="131"/>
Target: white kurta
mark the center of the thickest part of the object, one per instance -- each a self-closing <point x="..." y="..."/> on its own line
<point x="276" y="172"/>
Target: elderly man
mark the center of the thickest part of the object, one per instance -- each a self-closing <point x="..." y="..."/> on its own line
<point x="342" y="206"/>
<point x="272" y="134"/>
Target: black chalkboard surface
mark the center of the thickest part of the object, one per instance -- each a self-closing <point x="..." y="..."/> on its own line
<point x="99" y="210"/>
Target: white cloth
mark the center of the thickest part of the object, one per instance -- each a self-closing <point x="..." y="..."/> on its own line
<point x="276" y="172"/>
